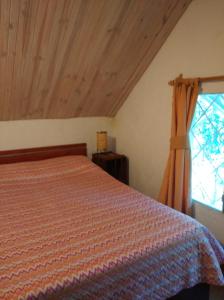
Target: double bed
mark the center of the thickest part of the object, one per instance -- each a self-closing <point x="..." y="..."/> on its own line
<point x="68" y="230"/>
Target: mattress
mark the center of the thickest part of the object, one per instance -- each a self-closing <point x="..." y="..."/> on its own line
<point x="68" y="230"/>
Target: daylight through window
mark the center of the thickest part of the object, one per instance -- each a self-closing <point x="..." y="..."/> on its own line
<point x="207" y="150"/>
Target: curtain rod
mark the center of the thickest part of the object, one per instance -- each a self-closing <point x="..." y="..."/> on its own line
<point x="200" y="79"/>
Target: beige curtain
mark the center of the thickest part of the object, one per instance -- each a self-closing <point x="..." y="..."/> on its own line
<point x="175" y="190"/>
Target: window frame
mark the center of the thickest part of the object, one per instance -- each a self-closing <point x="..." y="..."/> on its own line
<point x="195" y="200"/>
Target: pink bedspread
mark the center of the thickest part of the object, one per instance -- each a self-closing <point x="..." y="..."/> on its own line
<point x="70" y="231"/>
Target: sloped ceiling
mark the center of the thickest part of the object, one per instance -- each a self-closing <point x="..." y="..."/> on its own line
<point x="69" y="58"/>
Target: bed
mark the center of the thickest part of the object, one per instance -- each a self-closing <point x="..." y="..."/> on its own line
<point x="68" y="231"/>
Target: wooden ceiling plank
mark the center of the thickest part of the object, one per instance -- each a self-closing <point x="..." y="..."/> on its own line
<point x="30" y="25"/>
<point x="16" y="100"/>
<point x="11" y="52"/>
<point x="36" y="60"/>
<point x="102" y="37"/>
<point x="173" y="12"/>
<point x="121" y="56"/>
<point x="4" y="36"/>
<point x="82" y="61"/>
<point x="61" y="74"/>
<point x="15" y="93"/>
<point x="136" y="47"/>
<point x="66" y="58"/>
<point x="57" y="55"/>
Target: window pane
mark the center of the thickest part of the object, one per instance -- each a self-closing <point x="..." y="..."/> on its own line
<point x="207" y="147"/>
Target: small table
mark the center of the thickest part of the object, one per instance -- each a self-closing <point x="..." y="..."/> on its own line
<point x="113" y="163"/>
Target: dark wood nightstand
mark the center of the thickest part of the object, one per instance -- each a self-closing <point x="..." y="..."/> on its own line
<point x="114" y="164"/>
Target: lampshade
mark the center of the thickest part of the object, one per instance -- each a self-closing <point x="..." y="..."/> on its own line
<point x="101" y="140"/>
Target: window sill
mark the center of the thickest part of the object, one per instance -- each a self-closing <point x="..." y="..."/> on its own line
<point x="208" y="206"/>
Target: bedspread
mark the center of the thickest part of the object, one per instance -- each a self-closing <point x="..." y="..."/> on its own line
<point x="70" y="231"/>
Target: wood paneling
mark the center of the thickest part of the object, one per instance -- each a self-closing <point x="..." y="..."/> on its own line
<point x="68" y="58"/>
<point x="33" y="154"/>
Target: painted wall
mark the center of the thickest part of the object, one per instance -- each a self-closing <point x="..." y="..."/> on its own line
<point x="142" y="126"/>
<point x="36" y="133"/>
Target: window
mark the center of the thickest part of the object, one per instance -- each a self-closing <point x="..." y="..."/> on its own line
<point x="207" y="150"/>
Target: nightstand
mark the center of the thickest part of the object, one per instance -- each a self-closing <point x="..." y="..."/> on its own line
<point x="113" y="163"/>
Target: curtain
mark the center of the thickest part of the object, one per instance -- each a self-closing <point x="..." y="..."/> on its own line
<point x="176" y="185"/>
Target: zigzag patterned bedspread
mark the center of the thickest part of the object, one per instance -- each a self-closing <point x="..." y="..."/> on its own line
<point x="70" y="231"/>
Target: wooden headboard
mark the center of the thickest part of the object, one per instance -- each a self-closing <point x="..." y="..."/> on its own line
<point x="31" y="154"/>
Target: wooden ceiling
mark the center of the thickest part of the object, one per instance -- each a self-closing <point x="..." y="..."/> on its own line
<point x="69" y="58"/>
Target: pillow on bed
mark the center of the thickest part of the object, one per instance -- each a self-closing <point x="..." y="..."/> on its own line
<point x="43" y="168"/>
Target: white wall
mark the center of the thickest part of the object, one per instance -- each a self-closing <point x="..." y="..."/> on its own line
<point x="142" y="126"/>
<point x="36" y="133"/>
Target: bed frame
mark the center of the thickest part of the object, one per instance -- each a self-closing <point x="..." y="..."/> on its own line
<point x="32" y="154"/>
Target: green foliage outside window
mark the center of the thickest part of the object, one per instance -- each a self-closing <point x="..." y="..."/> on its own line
<point x="207" y="147"/>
